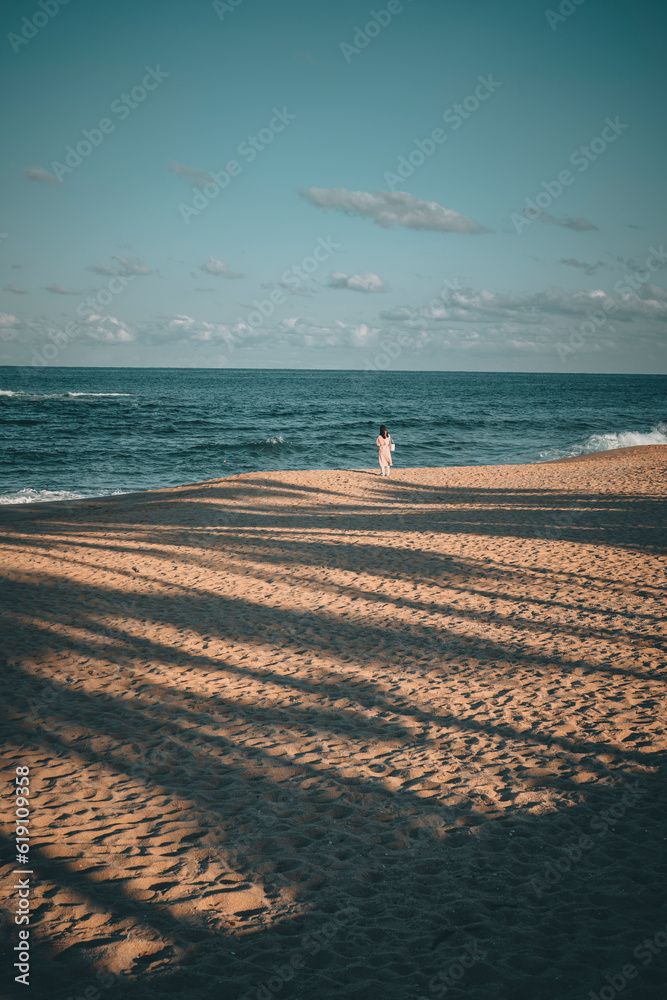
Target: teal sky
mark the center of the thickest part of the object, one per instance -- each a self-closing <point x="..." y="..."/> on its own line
<point x="441" y="269"/>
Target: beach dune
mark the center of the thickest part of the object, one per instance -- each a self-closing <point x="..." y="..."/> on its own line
<point x="324" y="734"/>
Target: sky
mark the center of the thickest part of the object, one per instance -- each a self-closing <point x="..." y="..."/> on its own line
<point x="412" y="185"/>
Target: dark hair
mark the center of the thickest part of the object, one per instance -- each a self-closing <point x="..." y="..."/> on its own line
<point x="384" y="432"/>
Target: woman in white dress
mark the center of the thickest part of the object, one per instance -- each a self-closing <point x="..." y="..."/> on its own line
<point x="384" y="454"/>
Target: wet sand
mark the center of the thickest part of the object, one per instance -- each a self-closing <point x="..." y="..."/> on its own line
<point x="327" y="735"/>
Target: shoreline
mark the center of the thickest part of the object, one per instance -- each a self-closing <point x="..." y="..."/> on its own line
<point x="610" y="454"/>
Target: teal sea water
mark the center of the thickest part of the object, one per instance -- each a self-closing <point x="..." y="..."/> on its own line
<point x="67" y="432"/>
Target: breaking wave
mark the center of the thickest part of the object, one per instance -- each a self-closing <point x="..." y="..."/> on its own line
<point x="607" y="442"/>
<point x="18" y="394"/>
<point x="43" y="496"/>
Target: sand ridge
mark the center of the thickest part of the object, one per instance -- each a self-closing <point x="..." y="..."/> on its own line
<point x="285" y="708"/>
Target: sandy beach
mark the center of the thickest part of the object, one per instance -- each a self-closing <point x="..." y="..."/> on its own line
<point x="328" y="735"/>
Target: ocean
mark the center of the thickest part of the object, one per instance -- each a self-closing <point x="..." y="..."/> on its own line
<point x="76" y="432"/>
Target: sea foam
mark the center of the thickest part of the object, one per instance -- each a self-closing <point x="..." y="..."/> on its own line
<point x="42" y="496"/>
<point x="607" y="442"/>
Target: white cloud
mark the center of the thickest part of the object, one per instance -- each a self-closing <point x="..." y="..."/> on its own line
<point x="362" y="281"/>
<point x="16" y="290"/>
<point x="184" y="328"/>
<point x="300" y="331"/>
<point x="218" y="267"/>
<point x="198" y="177"/>
<point x="538" y="309"/>
<point x="468" y="320"/>
<point x="132" y="266"/>
<point x="61" y="290"/>
<point x="107" y="330"/>
<point x="651" y="293"/>
<point x="399" y="314"/>
<point x="305" y="291"/>
<point x="394" y="208"/>
<point x="579" y="225"/>
<point x="105" y="269"/>
<point x="473" y="325"/>
<point x="126" y="266"/>
<point x="363" y="335"/>
<point x="8" y="326"/>
<point x="584" y="265"/>
<point x="40" y="175"/>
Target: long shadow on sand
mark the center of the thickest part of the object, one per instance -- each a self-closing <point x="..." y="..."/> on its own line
<point x="394" y="875"/>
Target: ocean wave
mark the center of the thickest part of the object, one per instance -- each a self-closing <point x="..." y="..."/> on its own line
<point x="217" y="447"/>
<point x="43" y="496"/>
<point x="57" y="395"/>
<point x="607" y="442"/>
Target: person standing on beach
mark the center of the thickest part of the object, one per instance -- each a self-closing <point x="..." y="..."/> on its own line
<point x="384" y="444"/>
